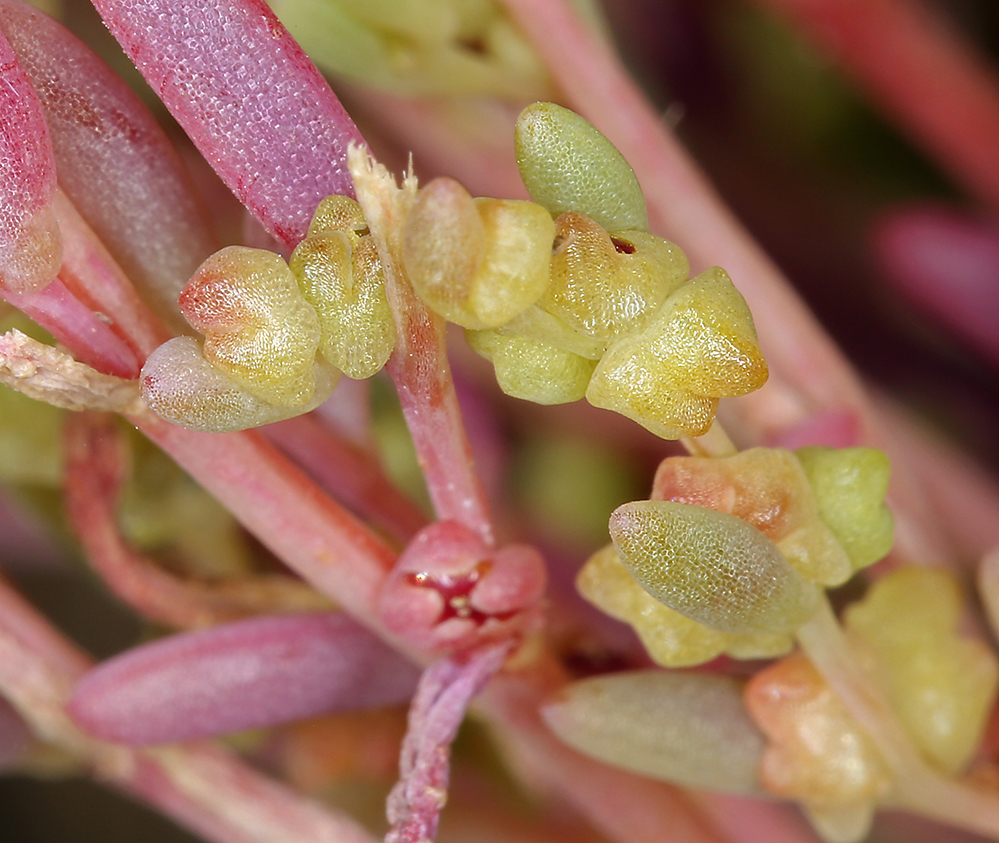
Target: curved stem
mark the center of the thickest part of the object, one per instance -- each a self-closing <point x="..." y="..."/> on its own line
<point x="342" y="557"/>
<point x="350" y="473"/>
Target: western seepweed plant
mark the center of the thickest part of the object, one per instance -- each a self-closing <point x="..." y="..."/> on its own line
<point x="569" y="296"/>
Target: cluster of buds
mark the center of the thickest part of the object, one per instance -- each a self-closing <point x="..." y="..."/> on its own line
<point x="730" y="553"/>
<point x="940" y="684"/>
<point x="568" y="296"/>
<point x="277" y="335"/>
<point x="571" y="296"/>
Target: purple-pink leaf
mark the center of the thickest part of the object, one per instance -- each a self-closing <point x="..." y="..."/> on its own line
<point x="30" y="251"/>
<point x="249" y="98"/>
<point x="115" y="162"/>
<point x="250" y="674"/>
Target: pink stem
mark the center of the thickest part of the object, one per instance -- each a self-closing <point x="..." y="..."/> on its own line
<point x="205" y="788"/>
<point x="421" y="371"/>
<point x="95" y="471"/>
<point x="91" y="274"/>
<point x="88" y="337"/>
<point x="935" y="84"/>
<point x="274" y="500"/>
<point x="349" y="473"/>
<point x="248" y="97"/>
<point x="442" y="698"/>
<point x="807" y="372"/>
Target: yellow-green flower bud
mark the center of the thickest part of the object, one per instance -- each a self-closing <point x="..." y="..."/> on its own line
<point x="567" y="165"/>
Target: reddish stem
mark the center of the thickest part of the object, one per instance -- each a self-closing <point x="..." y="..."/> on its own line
<point x="422" y="374"/>
<point x="445" y="691"/>
<point x="95" y="471"/>
<point x="89" y="338"/>
<point x="275" y="501"/>
<point x="349" y="473"/>
<point x="91" y="274"/>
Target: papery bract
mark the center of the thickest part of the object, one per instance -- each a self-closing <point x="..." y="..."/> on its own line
<point x="258" y="672"/>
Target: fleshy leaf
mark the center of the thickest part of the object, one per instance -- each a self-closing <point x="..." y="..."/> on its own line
<point x="258" y="672"/>
<point x="686" y="728"/>
<point x="671" y="639"/>
<point x="115" y="162"/>
<point x="30" y="246"/>
<point x="701" y="346"/>
<point x="567" y="165"/>
<point x="767" y="488"/>
<point x="533" y="370"/>
<point x="943" y="685"/>
<point x="711" y="567"/>
<point x="258" y="328"/>
<point x="249" y="99"/>
<point x="476" y="262"/>
<point x="340" y="275"/>
<point x="179" y="385"/>
<point x="608" y="284"/>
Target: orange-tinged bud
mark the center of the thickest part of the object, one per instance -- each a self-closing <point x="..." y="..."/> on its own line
<point x="817" y="753"/>
<point x="767" y="488"/>
<point x="258" y="328"/>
